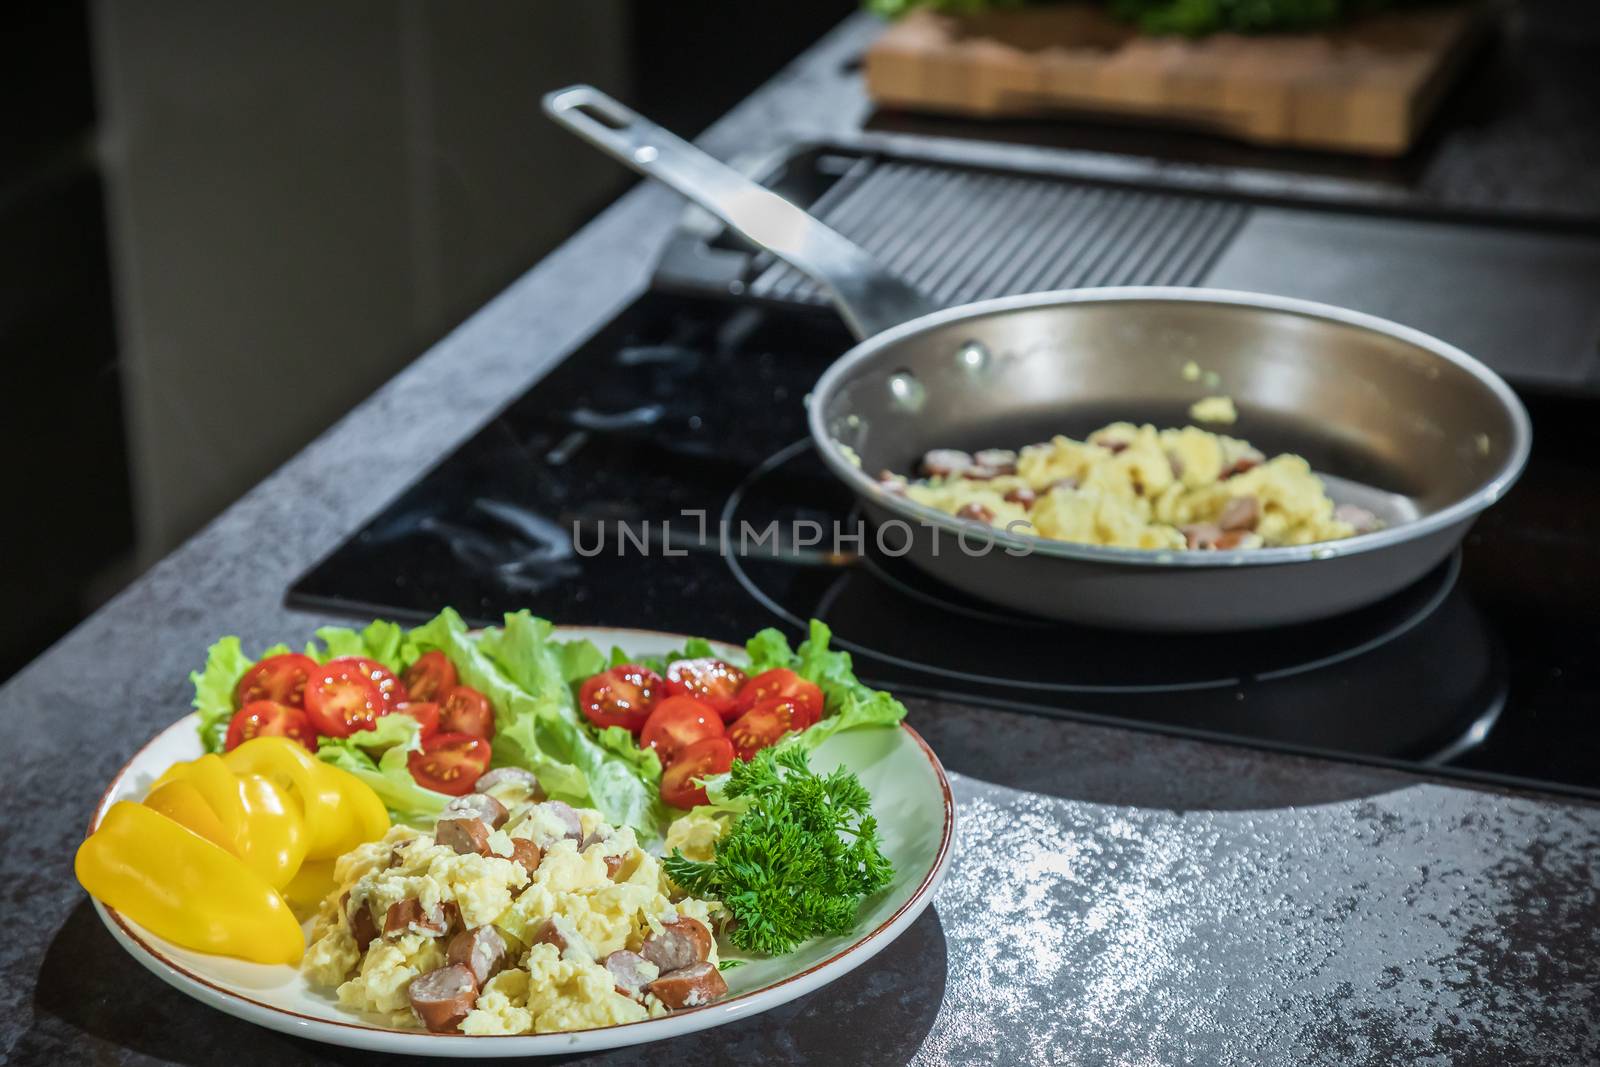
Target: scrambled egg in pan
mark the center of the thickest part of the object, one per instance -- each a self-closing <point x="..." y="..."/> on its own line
<point x="1138" y="487"/>
<point x="540" y="918"/>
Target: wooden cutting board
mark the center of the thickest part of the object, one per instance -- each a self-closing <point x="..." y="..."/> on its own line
<point x="1368" y="86"/>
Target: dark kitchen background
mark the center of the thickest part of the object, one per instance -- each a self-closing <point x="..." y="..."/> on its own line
<point x="221" y="226"/>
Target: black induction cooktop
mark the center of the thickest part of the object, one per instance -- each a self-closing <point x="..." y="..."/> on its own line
<point x="639" y="483"/>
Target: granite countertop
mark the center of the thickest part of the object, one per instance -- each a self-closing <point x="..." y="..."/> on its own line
<point x="1117" y="896"/>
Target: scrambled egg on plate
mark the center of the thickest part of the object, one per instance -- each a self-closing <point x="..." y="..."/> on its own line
<point x="1138" y="487"/>
<point x="516" y="916"/>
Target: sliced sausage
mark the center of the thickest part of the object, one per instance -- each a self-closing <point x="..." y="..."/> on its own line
<point x="463" y="835"/>
<point x="481" y="950"/>
<point x="549" y="934"/>
<point x="1240" y="465"/>
<point x="408" y="916"/>
<point x="999" y="460"/>
<point x="478" y="806"/>
<point x="679" y="943"/>
<point x="526" y="853"/>
<point x="1022" y="496"/>
<point x="443" y="997"/>
<point x="1202" y="534"/>
<point x="359" y="919"/>
<point x="1232" y="539"/>
<point x="1240" y="513"/>
<point x="943" y="462"/>
<point x="614" y="860"/>
<point x="689" y="987"/>
<point x="564" y="815"/>
<point x="1363" y="520"/>
<point x="519" y="776"/>
<point x="974" y="513"/>
<point x="631" y="972"/>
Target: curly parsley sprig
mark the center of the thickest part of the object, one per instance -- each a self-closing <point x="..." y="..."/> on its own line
<point x="799" y="859"/>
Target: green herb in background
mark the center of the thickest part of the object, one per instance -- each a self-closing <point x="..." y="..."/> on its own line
<point x="799" y="858"/>
<point x="1192" y="18"/>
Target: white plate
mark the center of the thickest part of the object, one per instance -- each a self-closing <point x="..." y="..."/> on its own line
<point x="916" y="818"/>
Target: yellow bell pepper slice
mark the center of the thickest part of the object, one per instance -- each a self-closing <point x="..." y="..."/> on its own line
<point x="341" y="811"/>
<point x="275" y="837"/>
<point x="260" y="822"/>
<point x="184" y="888"/>
<point x="310" y="886"/>
<point x="372" y="818"/>
<point x="181" y="802"/>
<point x="331" y="826"/>
<point x="220" y="787"/>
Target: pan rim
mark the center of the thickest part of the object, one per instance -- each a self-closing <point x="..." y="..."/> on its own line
<point x="1460" y="511"/>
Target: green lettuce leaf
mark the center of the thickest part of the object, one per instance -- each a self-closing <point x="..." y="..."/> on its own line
<point x="379" y="640"/>
<point x="529" y="677"/>
<point x="848" y="702"/>
<point x="394" y="737"/>
<point x="693" y="648"/>
<point x="767" y="650"/>
<point x="625" y="790"/>
<point x="226" y="663"/>
<point x="616" y="740"/>
<point x="516" y="708"/>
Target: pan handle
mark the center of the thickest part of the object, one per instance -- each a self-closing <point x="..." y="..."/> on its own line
<point x="869" y="297"/>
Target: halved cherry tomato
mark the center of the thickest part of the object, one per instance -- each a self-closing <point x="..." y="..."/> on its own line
<point x="341" y="699"/>
<point x="466" y="711"/>
<point x="431" y="677"/>
<point x="778" y="682"/>
<point x="763" y="724"/>
<point x="426" y="712"/>
<point x="388" y="685"/>
<point x="621" y="696"/>
<point x="281" y="679"/>
<point x="676" y="723"/>
<point x="268" y="718"/>
<point x="710" y="681"/>
<point x="708" y="756"/>
<point x="450" y="763"/>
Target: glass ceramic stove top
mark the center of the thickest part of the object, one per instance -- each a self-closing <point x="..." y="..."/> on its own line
<point x="681" y="423"/>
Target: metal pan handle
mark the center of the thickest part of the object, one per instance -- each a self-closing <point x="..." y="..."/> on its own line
<point x="869" y="297"/>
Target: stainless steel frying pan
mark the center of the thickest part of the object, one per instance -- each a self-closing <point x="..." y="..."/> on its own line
<point x="1394" y="420"/>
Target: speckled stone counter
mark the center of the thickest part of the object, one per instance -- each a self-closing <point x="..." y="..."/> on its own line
<point x="1117" y="897"/>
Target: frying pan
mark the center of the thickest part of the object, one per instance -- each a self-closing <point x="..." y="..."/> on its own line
<point x="1392" y="419"/>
